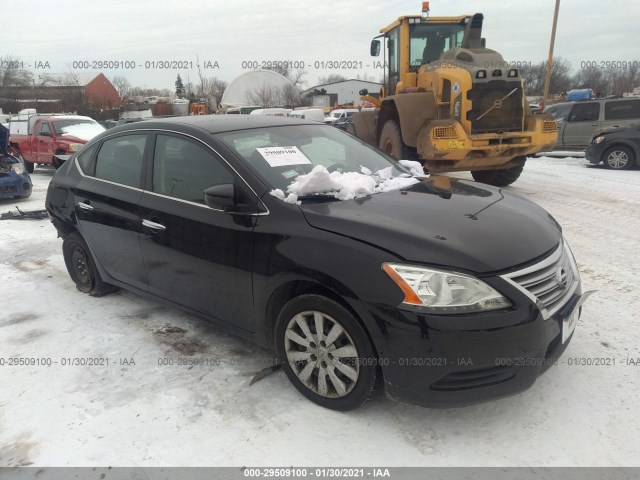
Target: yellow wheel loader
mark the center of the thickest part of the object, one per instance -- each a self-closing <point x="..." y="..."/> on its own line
<point x="450" y="102"/>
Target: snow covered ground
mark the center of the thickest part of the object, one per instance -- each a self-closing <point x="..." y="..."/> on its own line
<point x="146" y="414"/>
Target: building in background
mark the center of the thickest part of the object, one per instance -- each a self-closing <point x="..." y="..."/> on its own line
<point x="90" y="94"/>
<point x="340" y="93"/>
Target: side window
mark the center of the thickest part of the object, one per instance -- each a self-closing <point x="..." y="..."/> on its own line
<point x="120" y="159"/>
<point x="85" y="157"/>
<point x="622" y="110"/>
<point x="585" y="112"/>
<point x="184" y="170"/>
<point x="44" y="129"/>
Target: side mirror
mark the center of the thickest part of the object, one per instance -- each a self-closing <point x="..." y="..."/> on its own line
<point x="231" y="199"/>
<point x="364" y="92"/>
<point x="483" y="42"/>
<point x="220" y="197"/>
<point x="375" y="47"/>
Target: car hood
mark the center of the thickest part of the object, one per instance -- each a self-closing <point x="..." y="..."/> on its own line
<point x="447" y="222"/>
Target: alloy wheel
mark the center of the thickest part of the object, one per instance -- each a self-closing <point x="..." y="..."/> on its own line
<point x="322" y="354"/>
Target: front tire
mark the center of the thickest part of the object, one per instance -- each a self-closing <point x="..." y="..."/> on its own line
<point x="81" y="266"/>
<point x="619" y="158"/>
<point x="391" y="142"/>
<point x="325" y="352"/>
<point x="499" y="178"/>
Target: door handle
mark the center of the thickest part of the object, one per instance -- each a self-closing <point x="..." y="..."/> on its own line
<point x="153" y="225"/>
<point x="85" y="206"/>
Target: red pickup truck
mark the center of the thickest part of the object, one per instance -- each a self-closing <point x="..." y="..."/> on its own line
<point x="39" y="138"/>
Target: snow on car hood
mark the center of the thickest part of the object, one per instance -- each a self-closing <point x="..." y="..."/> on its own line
<point x="347" y="185"/>
<point x="83" y="131"/>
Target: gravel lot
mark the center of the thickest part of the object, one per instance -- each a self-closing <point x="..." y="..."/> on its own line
<point x="135" y="412"/>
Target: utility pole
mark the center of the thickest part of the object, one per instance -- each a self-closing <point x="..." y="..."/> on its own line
<point x="547" y="78"/>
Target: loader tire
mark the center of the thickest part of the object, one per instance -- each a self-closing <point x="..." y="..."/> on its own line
<point x="391" y="142"/>
<point x="499" y="178"/>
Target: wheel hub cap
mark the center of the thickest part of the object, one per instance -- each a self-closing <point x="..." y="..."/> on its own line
<point x="322" y="354"/>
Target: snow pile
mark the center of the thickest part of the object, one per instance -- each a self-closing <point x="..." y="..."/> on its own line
<point x="83" y="131"/>
<point x="415" y="168"/>
<point x="343" y="186"/>
<point x="291" y="198"/>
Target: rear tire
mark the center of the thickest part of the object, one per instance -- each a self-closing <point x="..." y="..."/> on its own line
<point x="499" y="178"/>
<point x="309" y="331"/>
<point x="619" y="158"/>
<point x="391" y="142"/>
<point x="81" y="267"/>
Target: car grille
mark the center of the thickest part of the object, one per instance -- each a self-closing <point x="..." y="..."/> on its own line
<point x="491" y="112"/>
<point x="552" y="281"/>
<point x="7" y="188"/>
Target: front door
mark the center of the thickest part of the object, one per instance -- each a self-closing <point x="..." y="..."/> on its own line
<point x="194" y="255"/>
<point x="582" y="123"/>
<point x="44" y="139"/>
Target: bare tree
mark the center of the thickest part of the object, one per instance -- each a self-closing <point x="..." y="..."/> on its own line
<point x="12" y="73"/>
<point x="294" y="75"/>
<point x="291" y="95"/>
<point x="266" y="96"/>
<point x="122" y="86"/>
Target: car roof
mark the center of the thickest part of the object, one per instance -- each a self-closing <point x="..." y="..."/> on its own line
<point x="220" y="123"/>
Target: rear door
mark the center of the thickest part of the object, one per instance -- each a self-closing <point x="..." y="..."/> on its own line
<point x="44" y="142"/>
<point x="106" y="205"/>
<point x="194" y="255"/>
<point x="582" y="123"/>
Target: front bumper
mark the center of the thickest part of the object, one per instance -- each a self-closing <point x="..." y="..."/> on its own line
<point x="455" y="360"/>
<point x="594" y="152"/>
<point x="447" y="147"/>
<point x="14" y="185"/>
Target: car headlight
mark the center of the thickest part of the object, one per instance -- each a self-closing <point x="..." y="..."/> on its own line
<point x="18" y="168"/>
<point x="441" y="292"/>
<point x="598" y="140"/>
<point x="74" y="147"/>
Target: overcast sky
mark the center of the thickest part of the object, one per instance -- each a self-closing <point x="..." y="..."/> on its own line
<point x="232" y="31"/>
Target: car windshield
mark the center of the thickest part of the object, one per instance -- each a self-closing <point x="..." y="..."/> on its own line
<point x="62" y="126"/>
<point x="321" y="157"/>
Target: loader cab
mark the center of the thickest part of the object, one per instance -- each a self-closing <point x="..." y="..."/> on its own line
<point x="413" y="41"/>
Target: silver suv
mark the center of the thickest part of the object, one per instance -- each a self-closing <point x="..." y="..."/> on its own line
<point x="579" y="121"/>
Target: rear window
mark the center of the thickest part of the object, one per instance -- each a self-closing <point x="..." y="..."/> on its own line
<point x="622" y="110"/>
<point x="120" y="160"/>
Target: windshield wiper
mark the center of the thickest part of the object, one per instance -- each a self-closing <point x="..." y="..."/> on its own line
<point x="318" y="197"/>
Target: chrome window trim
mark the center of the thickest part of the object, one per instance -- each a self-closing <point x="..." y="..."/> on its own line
<point x="563" y="248"/>
<point x="259" y="214"/>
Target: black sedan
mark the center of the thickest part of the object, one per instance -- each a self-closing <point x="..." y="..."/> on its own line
<point x="618" y="148"/>
<point x="324" y="249"/>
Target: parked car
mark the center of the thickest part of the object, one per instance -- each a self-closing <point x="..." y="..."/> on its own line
<point x="618" y="148"/>
<point x="579" y="121"/>
<point x="15" y="181"/>
<point x="343" y="123"/>
<point x="339" y="114"/>
<point x="315" y="114"/>
<point x="449" y="291"/>
<point x="37" y="139"/>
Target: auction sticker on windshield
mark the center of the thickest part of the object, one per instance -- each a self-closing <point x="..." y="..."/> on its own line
<point x="283" y="156"/>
